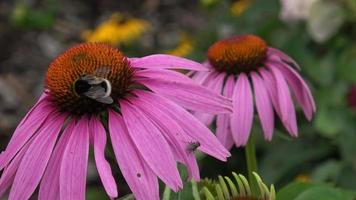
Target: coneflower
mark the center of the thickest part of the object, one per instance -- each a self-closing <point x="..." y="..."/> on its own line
<point x="236" y="64"/>
<point x="92" y="90"/>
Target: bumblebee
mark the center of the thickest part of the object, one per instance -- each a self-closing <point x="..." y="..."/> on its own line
<point x="95" y="87"/>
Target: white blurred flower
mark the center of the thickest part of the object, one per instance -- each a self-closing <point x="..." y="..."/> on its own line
<point x="322" y="17"/>
<point x="325" y="20"/>
<point x="295" y="10"/>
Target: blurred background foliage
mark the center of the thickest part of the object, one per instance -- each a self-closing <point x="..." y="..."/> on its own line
<point x="319" y="34"/>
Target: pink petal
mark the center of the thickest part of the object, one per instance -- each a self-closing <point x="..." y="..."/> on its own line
<point x="43" y="99"/>
<point x="264" y="106"/>
<point x="285" y="102"/>
<point x="200" y="77"/>
<point x="73" y="170"/>
<point x="300" y="88"/>
<point x="49" y="187"/>
<point x="161" y="61"/>
<point x="191" y="126"/>
<point x="36" y="158"/>
<point x="25" y="131"/>
<point x="147" y="138"/>
<point x="209" y="80"/>
<point x="223" y="131"/>
<point x="214" y="85"/>
<point x="189" y="95"/>
<point x="272" y="51"/>
<point x="162" y="74"/>
<point x="8" y="176"/>
<point x="138" y="175"/>
<point x="103" y="166"/>
<point x="272" y="88"/>
<point x="270" y="84"/>
<point x="242" y="117"/>
<point x="173" y="133"/>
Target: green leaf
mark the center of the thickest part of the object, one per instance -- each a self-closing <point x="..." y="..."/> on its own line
<point x="286" y="156"/>
<point x="346" y="69"/>
<point x="311" y="191"/>
<point x="329" y="122"/>
<point x="327" y="171"/>
<point x="292" y="190"/>
<point x="325" y="193"/>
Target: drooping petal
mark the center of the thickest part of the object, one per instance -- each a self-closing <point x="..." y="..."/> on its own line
<point x="99" y="138"/>
<point x="173" y="133"/>
<point x="190" y="95"/>
<point x="285" y="102"/>
<point x="43" y="99"/>
<point x="272" y="88"/>
<point x="223" y="130"/>
<point x="138" y="175"/>
<point x="147" y="138"/>
<point x="270" y="84"/>
<point x="73" y="172"/>
<point x="200" y="77"/>
<point x="215" y="84"/>
<point x="161" y="61"/>
<point x="49" y="187"/>
<point x="210" y="78"/>
<point x="162" y="74"/>
<point x="25" y="131"/>
<point x="36" y="158"/>
<point x="264" y="106"/>
<point x="272" y="51"/>
<point x="242" y="117"/>
<point x="192" y="126"/>
<point x="8" y="176"/>
<point x="300" y="89"/>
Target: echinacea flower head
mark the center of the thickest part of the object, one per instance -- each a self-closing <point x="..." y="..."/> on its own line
<point x="92" y="92"/>
<point x="237" y="188"/>
<point x="247" y="70"/>
<point x="118" y="29"/>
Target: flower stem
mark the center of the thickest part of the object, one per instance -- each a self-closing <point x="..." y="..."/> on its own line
<point x="251" y="161"/>
<point x="167" y="193"/>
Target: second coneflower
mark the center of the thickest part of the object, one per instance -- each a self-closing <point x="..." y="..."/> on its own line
<point x="93" y="90"/>
<point x="247" y="70"/>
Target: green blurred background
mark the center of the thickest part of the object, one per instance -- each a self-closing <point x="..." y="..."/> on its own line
<point x="319" y="34"/>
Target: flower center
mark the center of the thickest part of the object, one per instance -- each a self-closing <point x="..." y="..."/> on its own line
<point x="238" y="54"/>
<point x="88" y="78"/>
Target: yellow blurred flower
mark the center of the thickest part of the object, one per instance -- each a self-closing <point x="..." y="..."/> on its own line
<point x="304" y="178"/>
<point x="240" y="6"/>
<point x="117" y="30"/>
<point x="184" y="47"/>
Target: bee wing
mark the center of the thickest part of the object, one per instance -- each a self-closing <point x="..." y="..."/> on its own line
<point x="98" y="93"/>
<point x="92" y="80"/>
<point x="95" y="92"/>
<point x="106" y="100"/>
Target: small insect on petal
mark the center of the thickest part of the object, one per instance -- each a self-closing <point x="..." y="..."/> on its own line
<point x="193" y="146"/>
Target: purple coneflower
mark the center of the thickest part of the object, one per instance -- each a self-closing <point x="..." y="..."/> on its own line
<point x="93" y="90"/>
<point x="240" y="63"/>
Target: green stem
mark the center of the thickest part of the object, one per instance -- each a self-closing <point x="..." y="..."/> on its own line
<point x="166" y="193"/>
<point x="251" y="161"/>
